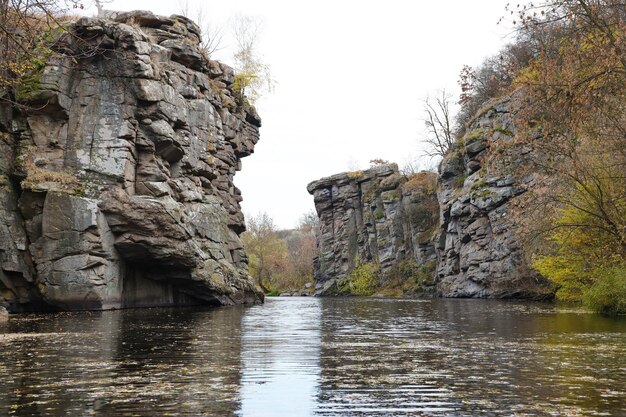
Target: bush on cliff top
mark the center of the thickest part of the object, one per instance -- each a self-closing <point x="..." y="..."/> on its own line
<point x="424" y="182"/>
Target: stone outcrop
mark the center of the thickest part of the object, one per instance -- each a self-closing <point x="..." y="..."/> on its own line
<point x="377" y="215"/>
<point x="116" y="179"/>
<point x="479" y="249"/>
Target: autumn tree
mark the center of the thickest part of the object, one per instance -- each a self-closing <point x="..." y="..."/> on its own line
<point x="267" y="253"/>
<point x="302" y="247"/>
<point x="491" y="79"/>
<point x="31" y="33"/>
<point x="252" y="77"/>
<point x="566" y="75"/>
<point x="572" y="116"/>
<point x="309" y="223"/>
<point x="281" y="260"/>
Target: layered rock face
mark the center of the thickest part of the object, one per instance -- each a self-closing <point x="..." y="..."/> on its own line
<point x="377" y="215"/>
<point x="480" y="254"/>
<point x="116" y="185"/>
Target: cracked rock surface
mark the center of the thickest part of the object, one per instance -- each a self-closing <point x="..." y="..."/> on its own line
<point x="475" y="248"/>
<point x="116" y="180"/>
<point x="479" y="250"/>
<point x="377" y="215"/>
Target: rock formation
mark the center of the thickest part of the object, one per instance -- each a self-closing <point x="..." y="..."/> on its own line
<point x="377" y="215"/>
<point x="479" y="251"/>
<point x="116" y="186"/>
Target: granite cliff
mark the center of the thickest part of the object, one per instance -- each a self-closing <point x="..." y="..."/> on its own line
<point x="116" y="176"/>
<point x="372" y="216"/>
<point x="480" y="193"/>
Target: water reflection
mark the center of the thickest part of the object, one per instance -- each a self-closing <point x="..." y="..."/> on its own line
<point x="135" y="362"/>
<point x="281" y="358"/>
<point x="317" y="357"/>
<point x="469" y="358"/>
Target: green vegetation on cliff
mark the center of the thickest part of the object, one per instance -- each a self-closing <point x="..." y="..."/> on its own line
<point x="567" y="74"/>
<point x="363" y="280"/>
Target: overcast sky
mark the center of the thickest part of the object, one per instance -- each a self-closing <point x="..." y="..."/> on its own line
<point x="351" y="77"/>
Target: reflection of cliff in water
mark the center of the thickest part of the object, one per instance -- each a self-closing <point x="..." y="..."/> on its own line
<point x="309" y="356"/>
<point x="133" y="362"/>
<point x="380" y="357"/>
<point x="467" y="357"/>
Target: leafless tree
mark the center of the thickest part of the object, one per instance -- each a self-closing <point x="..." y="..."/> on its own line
<point x="438" y="123"/>
<point x="29" y="30"/>
<point x="100" y="6"/>
<point x="212" y="34"/>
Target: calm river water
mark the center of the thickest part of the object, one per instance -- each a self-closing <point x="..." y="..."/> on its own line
<point x="317" y="357"/>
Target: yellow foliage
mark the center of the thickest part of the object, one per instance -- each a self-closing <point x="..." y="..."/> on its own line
<point x="585" y="249"/>
<point x="608" y="293"/>
<point x="355" y="174"/>
<point x="424" y="182"/>
<point x="279" y="260"/>
<point x="267" y="255"/>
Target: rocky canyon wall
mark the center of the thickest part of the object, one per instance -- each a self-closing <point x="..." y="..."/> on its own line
<point x="476" y="244"/>
<point x="374" y="216"/>
<point x="116" y="177"/>
<point x="480" y="249"/>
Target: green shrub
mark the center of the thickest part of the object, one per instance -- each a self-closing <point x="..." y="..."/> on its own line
<point x="379" y="214"/>
<point x="363" y="280"/>
<point x="408" y="277"/>
<point x="423" y="215"/>
<point x="426" y="273"/>
<point x="473" y="136"/>
<point x="608" y="294"/>
<point x="393" y="195"/>
<point x="459" y="181"/>
<point x="479" y="184"/>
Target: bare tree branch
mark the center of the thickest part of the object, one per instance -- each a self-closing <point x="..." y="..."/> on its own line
<point x="438" y="123"/>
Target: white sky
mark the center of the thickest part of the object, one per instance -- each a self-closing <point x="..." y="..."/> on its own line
<point x="351" y="79"/>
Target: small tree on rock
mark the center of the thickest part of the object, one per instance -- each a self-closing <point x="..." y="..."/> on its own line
<point x="438" y="121"/>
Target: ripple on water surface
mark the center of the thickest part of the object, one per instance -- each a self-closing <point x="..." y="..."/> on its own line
<point x="317" y="357"/>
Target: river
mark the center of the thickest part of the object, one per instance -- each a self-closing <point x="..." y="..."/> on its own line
<point x="317" y="357"/>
